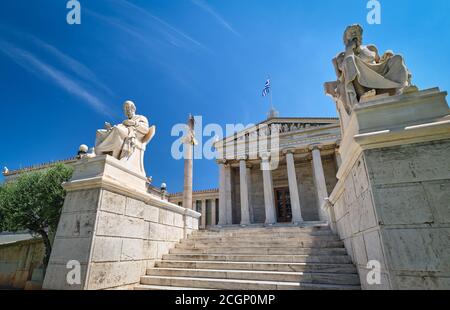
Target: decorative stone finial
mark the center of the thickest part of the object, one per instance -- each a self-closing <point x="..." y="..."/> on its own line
<point x="82" y="151"/>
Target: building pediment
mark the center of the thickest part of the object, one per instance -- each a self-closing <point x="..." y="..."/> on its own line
<point x="281" y="127"/>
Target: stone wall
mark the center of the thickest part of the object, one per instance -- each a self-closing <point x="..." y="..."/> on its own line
<point x="356" y="222"/>
<point x="114" y="231"/>
<point x="411" y="189"/>
<point x="18" y="261"/>
<point x="394" y="207"/>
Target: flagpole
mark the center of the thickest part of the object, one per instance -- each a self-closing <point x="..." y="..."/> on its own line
<point x="270" y="91"/>
<point x="271" y="103"/>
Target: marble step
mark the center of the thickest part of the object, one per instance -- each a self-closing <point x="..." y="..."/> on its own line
<point x="268" y="238"/>
<point x="342" y="259"/>
<point x="243" y="233"/>
<point x="141" y="287"/>
<point x="261" y="266"/>
<point x="259" y="250"/>
<point x="261" y="243"/>
<point x="233" y="284"/>
<point x="276" y="276"/>
<point x="257" y="228"/>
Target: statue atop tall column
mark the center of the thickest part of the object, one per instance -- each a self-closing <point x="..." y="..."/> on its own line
<point x="126" y="141"/>
<point x="362" y="73"/>
<point x="189" y="141"/>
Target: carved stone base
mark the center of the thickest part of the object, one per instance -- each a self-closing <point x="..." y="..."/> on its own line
<point x="391" y="204"/>
<point x="111" y="229"/>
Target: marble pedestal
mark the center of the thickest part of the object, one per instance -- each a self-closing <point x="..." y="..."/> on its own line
<point x="392" y="202"/>
<point x="112" y="227"/>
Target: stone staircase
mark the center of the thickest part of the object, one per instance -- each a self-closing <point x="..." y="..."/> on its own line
<point x="255" y="258"/>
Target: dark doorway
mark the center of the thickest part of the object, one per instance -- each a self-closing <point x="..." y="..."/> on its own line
<point x="283" y="205"/>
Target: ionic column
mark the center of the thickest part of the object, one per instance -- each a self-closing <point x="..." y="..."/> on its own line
<point x="222" y="196"/>
<point x="249" y="189"/>
<point x="228" y="205"/>
<point x="213" y="212"/>
<point x="245" y="211"/>
<point x="203" y="218"/>
<point x="319" y="180"/>
<point x="293" y="188"/>
<point x="269" y="202"/>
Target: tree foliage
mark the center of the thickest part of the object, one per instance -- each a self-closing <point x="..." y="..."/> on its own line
<point x="34" y="202"/>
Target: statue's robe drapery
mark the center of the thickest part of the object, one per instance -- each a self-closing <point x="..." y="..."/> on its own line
<point x="120" y="141"/>
<point x="385" y="75"/>
<point x="390" y="73"/>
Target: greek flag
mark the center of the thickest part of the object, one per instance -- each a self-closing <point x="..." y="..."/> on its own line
<point x="266" y="89"/>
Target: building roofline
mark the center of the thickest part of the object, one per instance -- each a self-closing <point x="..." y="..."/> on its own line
<point x="40" y="166"/>
<point x="205" y="191"/>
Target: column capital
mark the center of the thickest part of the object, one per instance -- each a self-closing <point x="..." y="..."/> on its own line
<point x="265" y="156"/>
<point x="243" y="158"/>
<point x="314" y="147"/>
<point x="289" y="151"/>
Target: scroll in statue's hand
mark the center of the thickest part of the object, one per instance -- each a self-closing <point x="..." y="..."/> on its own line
<point x="129" y="123"/>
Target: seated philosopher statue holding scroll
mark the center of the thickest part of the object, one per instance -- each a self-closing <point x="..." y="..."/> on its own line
<point x="362" y="73"/>
<point x="127" y="141"/>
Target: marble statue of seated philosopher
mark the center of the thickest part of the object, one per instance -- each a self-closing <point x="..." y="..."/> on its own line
<point x="362" y="73"/>
<point x="127" y="141"/>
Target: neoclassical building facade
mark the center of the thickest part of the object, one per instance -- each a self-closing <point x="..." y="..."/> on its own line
<point x="278" y="171"/>
<point x="302" y="157"/>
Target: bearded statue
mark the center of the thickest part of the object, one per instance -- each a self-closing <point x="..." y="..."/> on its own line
<point x="362" y="73"/>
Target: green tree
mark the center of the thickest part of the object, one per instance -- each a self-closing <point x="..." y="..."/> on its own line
<point x="34" y="202"/>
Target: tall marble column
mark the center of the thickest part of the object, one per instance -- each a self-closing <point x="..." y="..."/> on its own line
<point x="245" y="208"/>
<point x="269" y="201"/>
<point x="228" y="200"/>
<point x="319" y="180"/>
<point x="249" y="189"/>
<point x="213" y="212"/>
<point x="203" y="211"/>
<point x="222" y="196"/>
<point x="293" y="189"/>
<point x="188" y="141"/>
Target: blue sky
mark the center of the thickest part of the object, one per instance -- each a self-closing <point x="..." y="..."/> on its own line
<point x="60" y="82"/>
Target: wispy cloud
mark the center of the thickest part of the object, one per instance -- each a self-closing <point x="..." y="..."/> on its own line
<point x="171" y="33"/>
<point x="67" y="61"/>
<point x="201" y="4"/>
<point x="72" y="64"/>
<point x="33" y="64"/>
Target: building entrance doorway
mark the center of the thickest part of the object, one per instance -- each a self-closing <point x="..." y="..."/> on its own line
<point x="283" y="205"/>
